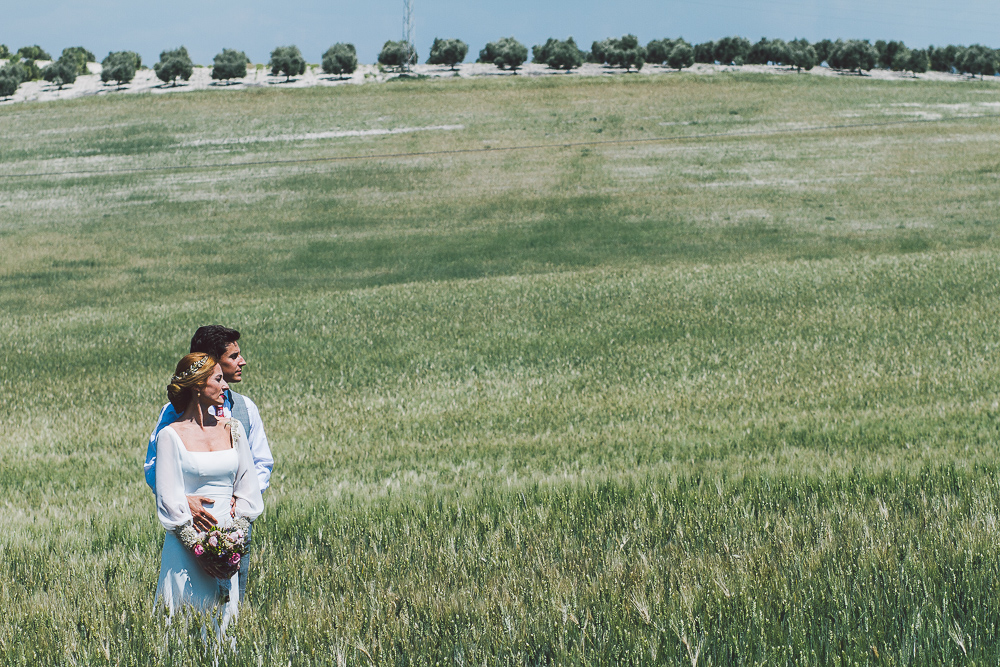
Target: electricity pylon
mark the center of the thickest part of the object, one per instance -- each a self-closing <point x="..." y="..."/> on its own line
<point x="408" y="31"/>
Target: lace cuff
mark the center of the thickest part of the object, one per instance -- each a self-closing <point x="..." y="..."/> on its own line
<point x="187" y="535"/>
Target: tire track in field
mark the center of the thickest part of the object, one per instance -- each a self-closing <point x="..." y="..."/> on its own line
<point x="496" y="149"/>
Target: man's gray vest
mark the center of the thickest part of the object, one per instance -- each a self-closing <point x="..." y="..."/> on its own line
<point x="240" y="412"/>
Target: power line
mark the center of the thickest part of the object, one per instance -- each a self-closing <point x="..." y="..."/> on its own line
<point x="491" y="149"/>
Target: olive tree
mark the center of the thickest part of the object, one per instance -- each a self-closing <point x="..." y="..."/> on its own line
<point x="340" y="59"/>
<point x="448" y="52"/>
<point x="230" y="64"/>
<point x="802" y="55"/>
<point x="658" y="50"/>
<point x="120" y="67"/>
<point x="978" y="59"/>
<point x="62" y="72"/>
<point x="287" y="60"/>
<point x="624" y="52"/>
<point x="629" y="53"/>
<point x="4" y="51"/>
<point x="558" y="54"/>
<point x="8" y="85"/>
<point x="909" y="60"/>
<point x="704" y="53"/>
<point x="943" y="58"/>
<point x="79" y="56"/>
<point x="917" y="61"/>
<point x="732" y="50"/>
<point x="781" y="52"/>
<point x="854" y="54"/>
<point x="32" y="72"/>
<point x="33" y="53"/>
<point x="681" y="56"/>
<point x="136" y="58"/>
<point x="11" y="76"/>
<point x="399" y="55"/>
<point x="505" y="53"/>
<point x="823" y="48"/>
<point x="887" y="52"/>
<point x="173" y="65"/>
<point x="27" y="55"/>
<point x="766" y="51"/>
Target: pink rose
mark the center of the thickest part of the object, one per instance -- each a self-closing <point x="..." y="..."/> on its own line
<point x="198" y="550"/>
<point x="234" y="559"/>
<point x="214" y="541"/>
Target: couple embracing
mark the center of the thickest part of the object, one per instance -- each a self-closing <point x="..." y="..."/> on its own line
<point x="208" y="462"/>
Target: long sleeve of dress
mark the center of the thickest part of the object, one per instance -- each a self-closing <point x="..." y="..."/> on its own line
<point x="246" y="487"/>
<point x="171" y="502"/>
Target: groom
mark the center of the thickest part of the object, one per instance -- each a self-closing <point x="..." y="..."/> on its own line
<point x="221" y="343"/>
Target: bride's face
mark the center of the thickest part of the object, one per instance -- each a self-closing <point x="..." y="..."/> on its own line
<point x="213" y="391"/>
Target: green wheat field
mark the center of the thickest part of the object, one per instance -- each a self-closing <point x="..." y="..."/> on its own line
<point x="705" y="375"/>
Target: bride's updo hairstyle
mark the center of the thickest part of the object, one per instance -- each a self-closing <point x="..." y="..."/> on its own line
<point x="192" y="373"/>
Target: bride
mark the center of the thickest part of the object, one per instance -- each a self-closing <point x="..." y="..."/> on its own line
<point x="201" y="455"/>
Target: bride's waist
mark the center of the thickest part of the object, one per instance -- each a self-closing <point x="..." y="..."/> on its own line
<point x="217" y="503"/>
<point x="211" y="490"/>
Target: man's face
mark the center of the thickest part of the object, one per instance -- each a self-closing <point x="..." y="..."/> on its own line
<point x="232" y="363"/>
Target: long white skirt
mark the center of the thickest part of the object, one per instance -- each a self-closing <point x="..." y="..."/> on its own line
<point x="183" y="582"/>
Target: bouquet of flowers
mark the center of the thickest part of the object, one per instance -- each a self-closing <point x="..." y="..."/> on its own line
<point x="220" y="550"/>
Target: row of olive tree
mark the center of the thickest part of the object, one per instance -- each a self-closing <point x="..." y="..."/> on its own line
<point x="852" y="55"/>
<point x="507" y="53"/>
<point x="120" y="67"/>
<point x="558" y="54"/>
<point x="339" y="59"/>
<point x="504" y="53"/>
<point x="22" y="66"/>
<point x="402" y="54"/>
<point x="626" y="52"/>
<point x="797" y="53"/>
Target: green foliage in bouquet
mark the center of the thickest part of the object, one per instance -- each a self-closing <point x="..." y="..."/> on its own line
<point x="220" y="550"/>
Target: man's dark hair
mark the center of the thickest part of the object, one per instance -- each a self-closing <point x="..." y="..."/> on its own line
<point x="213" y="339"/>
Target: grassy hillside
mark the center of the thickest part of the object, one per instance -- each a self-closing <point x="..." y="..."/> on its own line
<point x="694" y="370"/>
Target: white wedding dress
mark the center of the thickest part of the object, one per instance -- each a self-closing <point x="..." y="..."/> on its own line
<point x="219" y="475"/>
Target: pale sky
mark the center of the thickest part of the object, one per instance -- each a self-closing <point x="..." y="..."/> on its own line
<point x="205" y="27"/>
